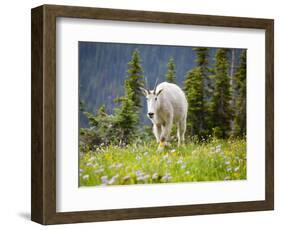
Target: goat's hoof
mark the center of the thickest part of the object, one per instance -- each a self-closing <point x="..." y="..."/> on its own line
<point x="168" y="144"/>
<point x="161" y="147"/>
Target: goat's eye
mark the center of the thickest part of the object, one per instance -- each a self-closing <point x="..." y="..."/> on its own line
<point x="155" y="98"/>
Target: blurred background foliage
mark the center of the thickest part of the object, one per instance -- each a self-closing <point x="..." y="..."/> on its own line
<point x="113" y="111"/>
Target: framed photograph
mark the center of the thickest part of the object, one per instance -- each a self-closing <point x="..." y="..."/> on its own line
<point x="140" y="114"/>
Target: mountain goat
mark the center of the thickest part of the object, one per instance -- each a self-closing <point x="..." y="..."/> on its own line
<point x="166" y="104"/>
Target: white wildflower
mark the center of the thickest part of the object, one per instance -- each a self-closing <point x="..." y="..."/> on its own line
<point x="187" y="172"/>
<point x="113" y="179"/>
<point x="146" y="153"/>
<point x="139" y="178"/>
<point x="104" y="179"/>
<point x="111" y="166"/>
<point x="85" y="177"/>
<point x="146" y="176"/>
<point x="138" y="158"/>
<point x="227" y="162"/>
<point x="99" y="170"/>
<point x="142" y="177"/>
<point x="167" y="177"/>
<point x="91" y="159"/>
<point x="179" y="161"/>
<point x="218" y="148"/>
<point x="183" y="166"/>
<point x="139" y="173"/>
<point x="228" y="169"/>
<point x="125" y="178"/>
<point x="89" y="164"/>
<point x="155" y="176"/>
<point x="116" y="176"/>
<point x="173" y="150"/>
<point x="117" y="166"/>
<point x="236" y="169"/>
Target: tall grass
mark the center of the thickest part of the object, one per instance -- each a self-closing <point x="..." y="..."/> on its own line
<point x="215" y="160"/>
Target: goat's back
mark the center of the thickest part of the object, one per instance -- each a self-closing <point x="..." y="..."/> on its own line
<point x="173" y="95"/>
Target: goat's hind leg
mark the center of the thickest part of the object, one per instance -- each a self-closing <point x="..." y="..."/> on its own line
<point x="179" y="135"/>
<point x="181" y="130"/>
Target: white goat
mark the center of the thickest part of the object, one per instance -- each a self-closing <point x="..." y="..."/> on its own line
<point x="166" y="104"/>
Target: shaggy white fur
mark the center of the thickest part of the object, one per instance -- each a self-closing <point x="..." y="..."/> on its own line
<point x="166" y="105"/>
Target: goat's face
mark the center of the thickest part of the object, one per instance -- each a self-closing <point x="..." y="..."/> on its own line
<point x="152" y="102"/>
<point x="152" y="105"/>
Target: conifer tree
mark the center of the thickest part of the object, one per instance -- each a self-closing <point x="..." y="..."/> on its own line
<point x="126" y="118"/>
<point x="197" y="87"/>
<point x="220" y="101"/>
<point x="239" y="127"/>
<point x="100" y="128"/>
<point x="202" y="62"/>
<point x="135" y="78"/>
<point x="82" y="106"/>
<point x="171" y="72"/>
<point x="193" y="86"/>
<point x="104" y="123"/>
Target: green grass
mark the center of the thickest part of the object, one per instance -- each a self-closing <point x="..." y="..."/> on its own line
<point x="140" y="164"/>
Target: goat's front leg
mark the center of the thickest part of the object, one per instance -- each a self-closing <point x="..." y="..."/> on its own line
<point x="157" y="131"/>
<point x="166" y="130"/>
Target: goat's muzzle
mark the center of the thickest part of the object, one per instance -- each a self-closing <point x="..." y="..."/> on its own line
<point x="150" y="115"/>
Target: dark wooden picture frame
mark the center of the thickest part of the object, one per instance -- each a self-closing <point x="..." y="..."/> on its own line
<point x="43" y="160"/>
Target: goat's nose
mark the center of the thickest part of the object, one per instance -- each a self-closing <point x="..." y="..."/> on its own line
<point x="150" y="115"/>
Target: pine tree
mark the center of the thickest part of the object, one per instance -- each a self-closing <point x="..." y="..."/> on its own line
<point x="193" y="86"/>
<point x="197" y="87"/>
<point x="82" y="106"/>
<point x="100" y="127"/>
<point x="220" y="101"/>
<point x="104" y="126"/>
<point x="126" y="118"/>
<point x="171" y="72"/>
<point x="202" y="62"/>
<point x="135" y="78"/>
<point x="239" y="127"/>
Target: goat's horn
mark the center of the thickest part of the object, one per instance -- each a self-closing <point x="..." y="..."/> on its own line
<point x="156" y="82"/>
<point x="146" y="84"/>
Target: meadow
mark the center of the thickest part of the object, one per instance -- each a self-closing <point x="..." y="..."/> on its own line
<point x="213" y="160"/>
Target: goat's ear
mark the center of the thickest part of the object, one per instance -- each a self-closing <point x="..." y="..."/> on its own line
<point x="159" y="92"/>
<point x="144" y="91"/>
